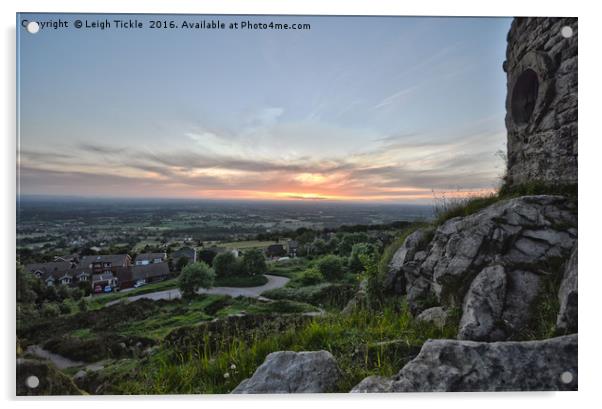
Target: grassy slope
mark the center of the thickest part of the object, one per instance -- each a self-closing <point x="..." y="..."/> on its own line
<point x="364" y="343"/>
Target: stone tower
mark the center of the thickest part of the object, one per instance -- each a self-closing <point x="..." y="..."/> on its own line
<point x="541" y="101"/>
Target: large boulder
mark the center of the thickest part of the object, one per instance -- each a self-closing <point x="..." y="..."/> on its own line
<point x="434" y="315"/>
<point x="450" y="366"/>
<point x="293" y="372"/>
<point x="567" y="295"/>
<point x="526" y="236"/>
<point x="395" y="280"/>
<point x="484" y="304"/>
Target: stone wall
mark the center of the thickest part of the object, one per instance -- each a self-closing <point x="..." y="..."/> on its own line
<point x="541" y="101"/>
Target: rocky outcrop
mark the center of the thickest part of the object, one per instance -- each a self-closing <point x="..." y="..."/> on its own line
<point x="293" y="372"/>
<point x="450" y="365"/>
<point x="491" y="263"/>
<point x="434" y="315"/>
<point x="395" y="280"/>
<point x="567" y="316"/>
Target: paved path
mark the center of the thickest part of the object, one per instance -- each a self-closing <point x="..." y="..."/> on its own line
<point x="252" y="292"/>
<point x="60" y="361"/>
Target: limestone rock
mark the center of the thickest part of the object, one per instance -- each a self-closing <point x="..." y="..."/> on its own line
<point x="567" y="295"/>
<point x="483" y="305"/>
<point x="293" y="372"/>
<point x="521" y="234"/>
<point x="433" y="315"/>
<point x="450" y="365"/>
<point x="395" y="278"/>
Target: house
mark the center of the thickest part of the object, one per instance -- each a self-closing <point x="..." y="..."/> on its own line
<point x="149" y="258"/>
<point x="102" y="280"/>
<point x="188" y="253"/>
<point x="292" y="247"/>
<point x="105" y="263"/>
<point x="275" y="250"/>
<point x="53" y="272"/>
<point x="147" y="273"/>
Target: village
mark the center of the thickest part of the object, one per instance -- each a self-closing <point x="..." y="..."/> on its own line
<point x="105" y="273"/>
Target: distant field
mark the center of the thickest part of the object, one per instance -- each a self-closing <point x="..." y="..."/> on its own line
<point x="249" y="244"/>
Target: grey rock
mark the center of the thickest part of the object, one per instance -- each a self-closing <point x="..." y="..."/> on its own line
<point x="521" y="234"/>
<point x="483" y="305"/>
<point x="522" y="289"/>
<point x="433" y="315"/>
<point x="451" y="365"/>
<point x="395" y="277"/>
<point x="293" y="372"/>
<point x="567" y="295"/>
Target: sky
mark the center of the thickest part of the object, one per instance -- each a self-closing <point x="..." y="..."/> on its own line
<point x="378" y="109"/>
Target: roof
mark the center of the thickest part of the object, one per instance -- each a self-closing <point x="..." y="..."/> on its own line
<point x="150" y="271"/>
<point x="54" y="268"/>
<point x="150" y="256"/>
<point x="116" y="259"/>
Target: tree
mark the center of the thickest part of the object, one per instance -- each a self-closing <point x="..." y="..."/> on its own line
<point x="195" y="276"/>
<point x="206" y="256"/>
<point x="182" y="262"/>
<point x="331" y="267"/>
<point x="224" y="264"/>
<point x="253" y="262"/>
<point x="358" y="250"/>
<point x="82" y="305"/>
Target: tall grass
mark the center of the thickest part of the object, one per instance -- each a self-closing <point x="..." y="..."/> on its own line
<point x="364" y="343"/>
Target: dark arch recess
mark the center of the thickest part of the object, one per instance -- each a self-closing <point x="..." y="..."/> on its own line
<point x="524" y="96"/>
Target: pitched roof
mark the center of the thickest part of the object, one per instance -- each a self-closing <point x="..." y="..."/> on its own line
<point x="150" y="256"/>
<point x="115" y="259"/>
<point x="50" y="268"/>
<point x="150" y="271"/>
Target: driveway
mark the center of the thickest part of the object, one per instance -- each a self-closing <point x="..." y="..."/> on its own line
<point x="252" y="292"/>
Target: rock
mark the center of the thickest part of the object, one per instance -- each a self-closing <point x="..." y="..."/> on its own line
<point x="395" y="278"/>
<point x="523" y="234"/>
<point x="433" y="315"/>
<point x="567" y="295"/>
<point x="450" y="366"/>
<point x="483" y="305"/>
<point x="35" y="377"/>
<point x="293" y="372"/>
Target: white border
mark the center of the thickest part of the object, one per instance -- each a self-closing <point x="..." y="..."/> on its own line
<point x="589" y="197"/>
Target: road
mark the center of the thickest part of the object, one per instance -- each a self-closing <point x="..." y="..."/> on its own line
<point x="252" y="292"/>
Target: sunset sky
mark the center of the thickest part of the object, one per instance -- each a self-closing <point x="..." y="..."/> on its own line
<point x="357" y="108"/>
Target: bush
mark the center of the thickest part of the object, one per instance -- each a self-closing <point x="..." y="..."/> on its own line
<point x="195" y="276"/>
<point x="358" y="250"/>
<point x="64" y="308"/>
<point x="225" y="264"/>
<point x="311" y="276"/>
<point x="82" y="305"/>
<point x="181" y="263"/>
<point x="331" y="267"/>
<point x="50" y="310"/>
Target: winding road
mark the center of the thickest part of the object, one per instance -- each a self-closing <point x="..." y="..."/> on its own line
<point x="252" y="292"/>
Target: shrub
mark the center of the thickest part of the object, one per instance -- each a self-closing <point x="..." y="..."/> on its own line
<point x="181" y="263"/>
<point x="311" y="276"/>
<point x="358" y="250"/>
<point x="331" y="267"/>
<point x="195" y="276"/>
<point x="82" y="305"/>
<point x="50" y="310"/>
<point x="64" y="308"/>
